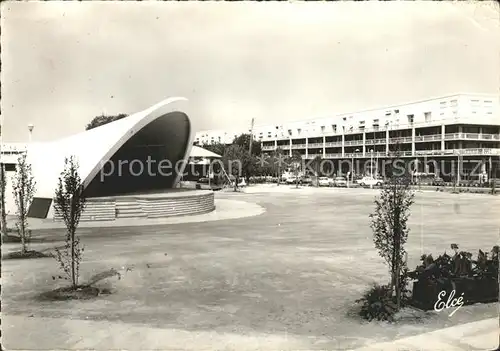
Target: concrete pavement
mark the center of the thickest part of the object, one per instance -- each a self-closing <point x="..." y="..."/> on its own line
<point x="481" y="335"/>
<point x="224" y="209"/>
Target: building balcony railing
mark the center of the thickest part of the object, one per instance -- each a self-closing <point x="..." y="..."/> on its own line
<point x="400" y="140"/>
<point x="333" y="144"/>
<point x="483" y="152"/>
<point x="333" y="155"/>
<point x="402" y="125"/>
<point x="429" y="152"/>
<point x="383" y="141"/>
<point x="312" y="156"/>
<point x="471" y="136"/>
<point x="375" y="141"/>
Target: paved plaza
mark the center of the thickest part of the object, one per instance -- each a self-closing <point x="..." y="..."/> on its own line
<point x="285" y="276"/>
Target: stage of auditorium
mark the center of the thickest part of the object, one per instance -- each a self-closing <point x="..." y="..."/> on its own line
<point x="167" y="203"/>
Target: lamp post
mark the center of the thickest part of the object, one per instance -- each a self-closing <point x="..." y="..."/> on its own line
<point x="371" y="167"/>
<point x="371" y="163"/>
<point x="30" y="129"/>
<point x="457" y="176"/>
<point x="3" y="218"/>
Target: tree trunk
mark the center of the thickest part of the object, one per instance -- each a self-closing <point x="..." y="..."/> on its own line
<point x="398" y="288"/>
<point x="279" y="172"/>
<point x="22" y="229"/>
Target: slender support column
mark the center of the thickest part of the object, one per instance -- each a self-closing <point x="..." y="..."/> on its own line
<point x="324" y="146"/>
<point x="413" y="141"/>
<point x="387" y="142"/>
<point x="307" y="146"/>
<point x="364" y="144"/>
<point x="343" y="144"/>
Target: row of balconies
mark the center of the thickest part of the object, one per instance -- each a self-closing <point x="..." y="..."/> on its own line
<point x="418" y="138"/>
<point x="447" y="152"/>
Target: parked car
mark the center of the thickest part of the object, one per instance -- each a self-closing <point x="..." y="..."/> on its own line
<point x="291" y="180"/>
<point x="474" y="183"/>
<point x="205" y="184"/>
<point x="438" y="182"/>
<point x="324" y="181"/>
<point x="241" y="183"/>
<point x="340" y="182"/>
<point x="370" y="181"/>
<point x="306" y="180"/>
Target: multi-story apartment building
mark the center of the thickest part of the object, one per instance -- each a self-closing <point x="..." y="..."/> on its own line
<point x="449" y="130"/>
<point x="9" y="154"/>
<point x="216" y="136"/>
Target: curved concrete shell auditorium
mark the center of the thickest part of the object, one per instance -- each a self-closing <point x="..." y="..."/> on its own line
<point x="129" y="168"/>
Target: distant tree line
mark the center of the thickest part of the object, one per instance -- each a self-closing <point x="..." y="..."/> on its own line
<point x="104" y="119"/>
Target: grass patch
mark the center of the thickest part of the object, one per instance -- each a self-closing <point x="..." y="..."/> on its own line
<point x="10" y="239"/>
<point x="18" y="255"/>
<point x="16" y="239"/>
<point x="103" y="275"/>
<point x="82" y="292"/>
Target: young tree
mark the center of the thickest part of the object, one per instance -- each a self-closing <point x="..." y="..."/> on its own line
<point x="69" y="203"/>
<point x="3" y="219"/>
<point x="390" y="230"/>
<point x="23" y="186"/>
<point x="243" y="140"/>
<point x="217" y="148"/>
<point x="496" y="255"/>
<point x="103" y="119"/>
<point x="317" y="163"/>
<point x="278" y="159"/>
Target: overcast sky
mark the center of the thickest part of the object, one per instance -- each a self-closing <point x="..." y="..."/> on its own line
<point x="65" y="62"/>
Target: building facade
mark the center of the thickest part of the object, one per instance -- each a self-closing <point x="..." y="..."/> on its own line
<point x="460" y="131"/>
